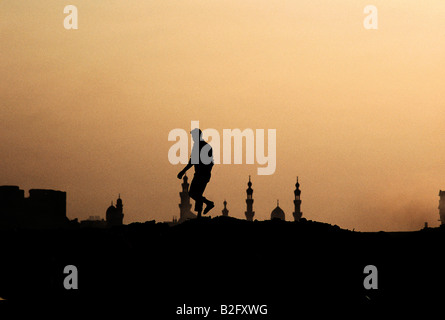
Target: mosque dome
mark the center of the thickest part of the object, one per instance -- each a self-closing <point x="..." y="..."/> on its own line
<point x="277" y="213"/>
<point x="110" y="211"/>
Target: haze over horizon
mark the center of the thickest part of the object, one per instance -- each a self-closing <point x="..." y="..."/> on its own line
<point x="359" y="114"/>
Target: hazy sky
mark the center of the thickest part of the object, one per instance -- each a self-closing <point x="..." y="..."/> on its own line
<point x="359" y="113"/>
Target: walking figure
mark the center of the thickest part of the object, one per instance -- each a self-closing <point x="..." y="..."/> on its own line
<point x="202" y="159"/>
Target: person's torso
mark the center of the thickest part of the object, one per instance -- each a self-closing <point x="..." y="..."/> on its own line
<point x="203" y="161"/>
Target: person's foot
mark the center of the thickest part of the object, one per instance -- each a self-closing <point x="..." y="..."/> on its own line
<point x="209" y="206"/>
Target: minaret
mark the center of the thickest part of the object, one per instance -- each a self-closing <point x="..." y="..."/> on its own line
<point x="120" y="211"/>
<point x="442" y="207"/>
<point x="225" y="212"/>
<point x="185" y="205"/>
<point x="297" y="202"/>
<point x="115" y="215"/>
<point x="119" y="205"/>
<point x="249" y="201"/>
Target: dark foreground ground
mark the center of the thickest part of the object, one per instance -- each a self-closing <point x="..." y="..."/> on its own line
<point x="284" y="265"/>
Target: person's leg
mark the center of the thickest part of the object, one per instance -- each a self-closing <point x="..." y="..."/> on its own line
<point x="209" y="204"/>
<point x="196" y="190"/>
<point x="198" y="207"/>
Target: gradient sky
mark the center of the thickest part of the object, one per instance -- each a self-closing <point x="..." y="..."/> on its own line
<point x="359" y="113"/>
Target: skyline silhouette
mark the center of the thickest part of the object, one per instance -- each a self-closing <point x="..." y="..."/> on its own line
<point x="47" y="209"/>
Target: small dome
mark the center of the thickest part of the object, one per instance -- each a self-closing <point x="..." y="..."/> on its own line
<point x="277" y="213"/>
<point x="111" y="209"/>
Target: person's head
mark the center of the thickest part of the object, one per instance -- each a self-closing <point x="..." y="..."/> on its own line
<point x="196" y="134"/>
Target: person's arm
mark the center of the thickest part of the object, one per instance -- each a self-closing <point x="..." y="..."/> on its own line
<point x="183" y="171"/>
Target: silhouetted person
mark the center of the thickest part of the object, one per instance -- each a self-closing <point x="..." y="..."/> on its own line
<point x="202" y="160"/>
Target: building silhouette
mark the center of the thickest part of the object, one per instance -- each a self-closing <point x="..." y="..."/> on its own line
<point x="442" y="207"/>
<point x="184" y="207"/>
<point x="249" y="202"/>
<point x="43" y="208"/>
<point x="297" y="202"/>
<point x="94" y="222"/>
<point x="224" y="211"/>
<point x="277" y="213"/>
<point x="115" y="214"/>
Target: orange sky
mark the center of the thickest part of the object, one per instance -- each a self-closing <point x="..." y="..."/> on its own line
<point x="359" y="113"/>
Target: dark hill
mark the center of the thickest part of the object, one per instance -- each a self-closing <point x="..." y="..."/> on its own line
<point x="285" y="265"/>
